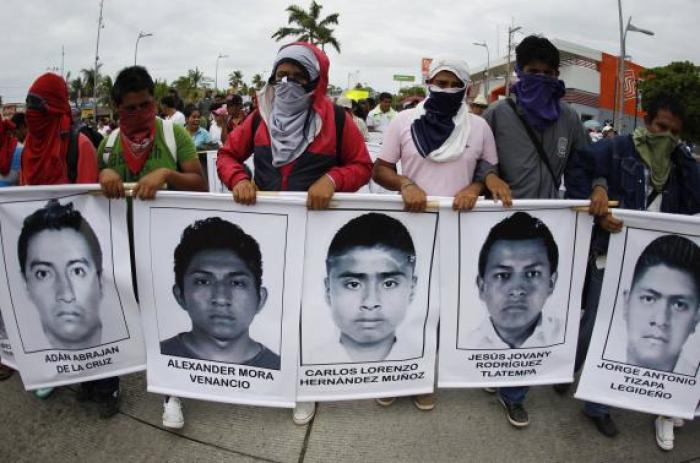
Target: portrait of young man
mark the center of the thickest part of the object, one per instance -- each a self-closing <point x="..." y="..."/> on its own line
<point x="218" y="282"/>
<point x="61" y="262"/>
<point x="662" y="306"/>
<point x="369" y="285"/>
<point x="517" y="274"/>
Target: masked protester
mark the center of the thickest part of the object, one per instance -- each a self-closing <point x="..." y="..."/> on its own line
<point x="10" y="155"/>
<point x="649" y="170"/>
<point x="295" y="136"/>
<point x="46" y="159"/>
<point x="535" y="134"/>
<point x="299" y="140"/>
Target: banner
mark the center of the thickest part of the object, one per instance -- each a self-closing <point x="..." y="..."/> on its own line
<point x="368" y="325"/>
<point x="220" y="288"/>
<point x="67" y="298"/>
<point x="6" y="356"/>
<point x="511" y="292"/>
<point x="645" y="347"/>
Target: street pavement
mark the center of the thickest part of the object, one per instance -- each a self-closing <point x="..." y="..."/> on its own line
<point x="466" y="426"/>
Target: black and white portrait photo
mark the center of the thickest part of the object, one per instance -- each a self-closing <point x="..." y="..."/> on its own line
<point x="62" y="277"/>
<point x="218" y="271"/>
<point x="367" y="299"/>
<point x="657" y="310"/>
<point x="516" y="277"/>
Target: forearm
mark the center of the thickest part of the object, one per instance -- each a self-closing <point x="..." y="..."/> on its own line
<point x="387" y="177"/>
<point x="185" y="181"/>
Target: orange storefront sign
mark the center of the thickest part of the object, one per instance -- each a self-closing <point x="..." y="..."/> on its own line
<point x="608" y="79"/>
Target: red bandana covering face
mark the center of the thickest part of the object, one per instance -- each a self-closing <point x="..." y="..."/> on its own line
<point x="48" y="129"/>
<point x="8" y="143"/>
<point x="137" y="131"/>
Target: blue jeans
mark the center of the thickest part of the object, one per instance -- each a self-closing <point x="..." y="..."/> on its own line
<point x="593" y="286"/>
<point x="513" y="395"/>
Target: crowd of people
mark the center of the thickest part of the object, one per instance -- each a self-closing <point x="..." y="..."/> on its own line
<point x="530" y="145"/>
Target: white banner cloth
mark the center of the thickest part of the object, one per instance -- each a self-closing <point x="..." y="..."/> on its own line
<point x="645" y="347"/>
<point x="220" y="287"/>
<point x="511" y="292"/>
<point x="71" y="315"/>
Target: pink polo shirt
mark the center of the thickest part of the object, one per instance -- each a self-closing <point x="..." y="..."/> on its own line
<point x="437" y="178"/>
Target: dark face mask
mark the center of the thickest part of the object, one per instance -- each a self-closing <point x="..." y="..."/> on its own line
<point x="444" y="102"/>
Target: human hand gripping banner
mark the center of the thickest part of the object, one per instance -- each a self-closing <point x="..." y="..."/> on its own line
<point x="220" y="286"/>
<point x="645" y="348"/>
<point x="66" y="298"/>
<point x="368" y="325"/>
<point x="511" y="292"/>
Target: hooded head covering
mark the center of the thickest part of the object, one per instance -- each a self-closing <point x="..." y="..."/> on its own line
<point x="8" y="143"/>
<point x="441" y="128"/>
<point x="292" y="112"/>
<point x="48" y="132"/>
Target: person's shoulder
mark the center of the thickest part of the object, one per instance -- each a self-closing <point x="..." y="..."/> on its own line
<point x="477" y="121"/>
<point x="175" y="347"/>
<point x="266" y="359"/>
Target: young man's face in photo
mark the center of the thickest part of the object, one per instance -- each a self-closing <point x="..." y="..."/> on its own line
<point x="516" y="283"/>
<point x="219" y="294"/>
<point x="369" y="291"/>
<point x="661" y="311"/>
<point x="64" y="284"/>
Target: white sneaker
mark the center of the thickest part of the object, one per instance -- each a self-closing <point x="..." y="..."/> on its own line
<point x="303" y="412"/>
<point x="664" y="432"/>
<point x="172" y="413"/>
<point x="678" y="422"/>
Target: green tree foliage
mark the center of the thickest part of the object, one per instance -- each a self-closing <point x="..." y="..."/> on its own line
<point x="681" y="79"/>
<point x="416" y="90"/>
<point x="306" y="26"/>
<point x="235" y="80"/>
<point x="257" y="82"/>
<point x="190" y="87"/>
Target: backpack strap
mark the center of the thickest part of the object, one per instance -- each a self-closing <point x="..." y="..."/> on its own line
<point x="72" y="154"/>
<point x="169" y="135"/>
<point x="109" y="145"/>
<point x="339" y="126"/>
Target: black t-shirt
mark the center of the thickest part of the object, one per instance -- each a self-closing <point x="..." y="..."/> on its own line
<point x="176" y="347"/>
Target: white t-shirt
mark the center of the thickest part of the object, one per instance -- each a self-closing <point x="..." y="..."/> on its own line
<point x="380" y="121"/>
<point x="177" y="118"/>
<point x="548" y="332"/>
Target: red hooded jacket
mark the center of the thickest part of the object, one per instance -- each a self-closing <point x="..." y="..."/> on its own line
<point x="350" y="169"/>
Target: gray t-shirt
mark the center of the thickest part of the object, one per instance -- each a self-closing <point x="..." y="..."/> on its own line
<point x="519" y="163"/>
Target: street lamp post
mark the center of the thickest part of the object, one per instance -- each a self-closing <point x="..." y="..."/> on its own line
<point x="216" y="73"/>
<point x="620" y="113"/>
<point x="488" y="67"/>
<point x="100" y="25"/>
<point x="511" y="30"/>
<point x="142" y="34"/>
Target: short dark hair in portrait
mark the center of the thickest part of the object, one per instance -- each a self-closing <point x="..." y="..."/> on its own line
<point x="519" y="227"/>
<point x="131" y="79"/>
<point x="55" y="216"/>
<point x="369" y="230"/>
<point x="534" y="48"/>
<point x="673" y="251"/>
<point x="217" y="233"/>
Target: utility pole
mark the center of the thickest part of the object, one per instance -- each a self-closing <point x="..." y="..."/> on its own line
<point x="63" y="59"/>
<point x="488" y="67"/>
<point x="511" y="31"/>
<point x="216" y="73"/>
<point x="100" y="25"/>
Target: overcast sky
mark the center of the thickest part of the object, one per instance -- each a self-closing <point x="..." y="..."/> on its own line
<point x="378" y="38"/>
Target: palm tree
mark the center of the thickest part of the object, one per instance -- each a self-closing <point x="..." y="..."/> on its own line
<point x="308" y="28"/>
<point x="257" y="82"/>
<point x="235" y="79"/>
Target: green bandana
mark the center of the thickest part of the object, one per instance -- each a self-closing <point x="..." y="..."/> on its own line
<point x="655" y="150"/>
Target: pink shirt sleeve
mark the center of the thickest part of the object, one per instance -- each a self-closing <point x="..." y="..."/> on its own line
<point x="391" y="147"/>
<point x="489" y="153"/>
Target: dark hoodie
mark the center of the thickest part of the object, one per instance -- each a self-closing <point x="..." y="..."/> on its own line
<point x="350" y="169"/>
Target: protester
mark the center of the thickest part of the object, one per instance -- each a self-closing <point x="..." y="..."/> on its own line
<point x="18" y="119"/>
<point x="171" y="112"/>
<point x="10" y="155"/>
<point x="218" y="115"/>
<point x="56" y="153"/>
<point x="379" y="118"/>
<point x="200" y="135"/>
<point x="479" y="105"/>
<point x="138" y="151"/>
<point x="205" y="104"/>
<point x="648" y="170"/>
<point x="345" y="102"/>
<point x="439" y="144"/>
<point x="297" y="143"/>
<point x="235" y="115"/>
<point x="535" y="134"/>
<point x="179" y="104"/>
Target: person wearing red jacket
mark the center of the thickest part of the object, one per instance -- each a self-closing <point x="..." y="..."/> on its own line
<point x="295" y="138"/>
<point x="292" y="136"/>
